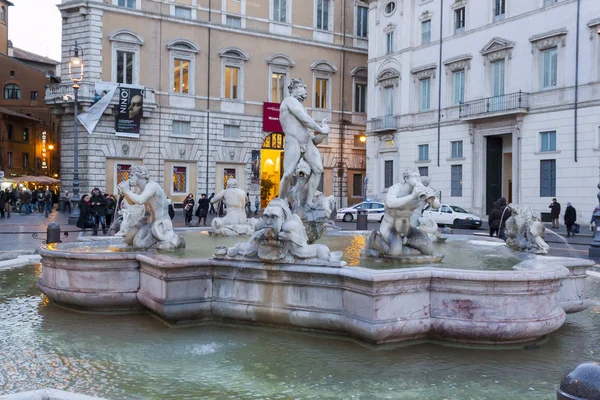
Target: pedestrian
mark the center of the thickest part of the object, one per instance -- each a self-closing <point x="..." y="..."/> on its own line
<point x="554" y="213"/>
<point x="171" y="209"/>
<point x="256" y="205"/>
<point x="86" y="219"/>
<point x="248" y="206"/>
<point x="202" y="210"/>
<point x="221" y="209"/>
<point x="8" y="201"/>
<point x="212" y="206"/>
<point x="98" y="210"/>
<point x="47" y="203"/>
<point x="41" y="199"/>
<point x="111" y="205"/>
<point x="26" y="198"/>
<point x="188" y="208"/>
<point x="67" y="201"/>
<point x="570" y="217"/>
<point x="2" y="203"/>
<point x="498" y="217"/>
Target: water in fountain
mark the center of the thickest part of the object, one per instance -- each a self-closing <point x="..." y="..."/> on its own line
<point x="564" y="241"/>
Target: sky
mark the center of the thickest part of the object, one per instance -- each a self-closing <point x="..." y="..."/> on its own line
<point x="35" y="25"/>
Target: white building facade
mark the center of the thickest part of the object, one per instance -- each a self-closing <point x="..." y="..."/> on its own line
<point x="491" y="110"/>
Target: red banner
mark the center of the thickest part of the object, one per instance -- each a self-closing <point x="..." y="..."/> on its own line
<point x="271" y="118"/>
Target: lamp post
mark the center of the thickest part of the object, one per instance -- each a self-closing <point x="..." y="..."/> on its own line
<point x="76" y="75"/>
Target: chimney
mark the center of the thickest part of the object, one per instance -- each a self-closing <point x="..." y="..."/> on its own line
<point x="10" y="49"/>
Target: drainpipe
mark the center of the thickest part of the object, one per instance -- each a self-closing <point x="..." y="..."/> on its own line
<point x="343" y="121"/>
<point x="576" y="78"/>
<point x="208" y="99"/>
<point x="439" y="123"/>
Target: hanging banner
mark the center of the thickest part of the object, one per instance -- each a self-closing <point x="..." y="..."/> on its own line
<point x="104" y="93"/>
<point x="129" y="110"/>
<point x="271" y="118"/>
<point x="255" y="166"/>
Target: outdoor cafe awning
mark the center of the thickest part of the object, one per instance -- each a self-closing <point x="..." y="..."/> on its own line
<point x="34" y="179"/>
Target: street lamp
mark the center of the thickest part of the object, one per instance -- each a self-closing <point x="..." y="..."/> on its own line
<point x="76" y="75"/>
<point x="362" y="138"/>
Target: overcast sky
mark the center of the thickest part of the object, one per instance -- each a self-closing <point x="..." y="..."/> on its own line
<point x="35" y="25"/>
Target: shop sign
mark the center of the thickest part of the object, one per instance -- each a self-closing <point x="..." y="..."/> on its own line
<point x="44" y="142"/>
<point x="271" y="117"/>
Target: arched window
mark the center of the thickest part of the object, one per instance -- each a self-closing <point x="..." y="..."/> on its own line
<point x="2" y="14"/>
<point x="12" y="92"/>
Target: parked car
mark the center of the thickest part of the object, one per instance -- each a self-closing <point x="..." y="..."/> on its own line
<point x="374" y="211"/>
<point x="455" y="216"/>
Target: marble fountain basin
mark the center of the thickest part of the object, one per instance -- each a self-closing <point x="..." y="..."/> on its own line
<point x="523" y="300"/>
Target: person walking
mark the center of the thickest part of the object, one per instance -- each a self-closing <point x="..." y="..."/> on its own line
<point x="41" y="199"/>
<point x="570" y="217"/>
<point x="86" y="219"/>
<point x="67" y="201"/>
<point x="211" y="210"/>
<point x="188" y="208"/>
<point x="8" y="202"/>
<point x="2" y="203"/>
<point x="248" y="206"/>
<point x="111" y="205"/>
<point x="554" y="213"/>
<point x="171" y="209"/>
<point x="202" y="211"/>
<point x="98" y="210"/>
<point x="498" y="217"/>
<point x="26" y="198"/>
<point x="47" y="203"/>
<point x="256" y="205"/>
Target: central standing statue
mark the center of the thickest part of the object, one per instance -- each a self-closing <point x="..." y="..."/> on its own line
<point x="303" y="167"/>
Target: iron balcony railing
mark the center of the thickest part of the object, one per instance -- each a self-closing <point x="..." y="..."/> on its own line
<point x="495" y="104"/>
<point x="386" y="123"/>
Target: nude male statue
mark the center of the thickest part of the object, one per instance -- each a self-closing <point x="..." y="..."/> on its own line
<point x="158" y="225"/>
<point x="234" y="222"/>
<point x="299" y="141"/>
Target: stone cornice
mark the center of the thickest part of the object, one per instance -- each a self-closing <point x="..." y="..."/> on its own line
<point x="549" y="39"/>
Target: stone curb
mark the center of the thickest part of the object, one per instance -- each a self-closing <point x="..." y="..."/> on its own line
<point x="48" y="394"/>
<point x="20" y="261"/>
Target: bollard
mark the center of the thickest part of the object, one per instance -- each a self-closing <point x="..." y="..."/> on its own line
<point x="361" y="220"/>
<point x="581" y="383"/>
<point x="53" y="233"/>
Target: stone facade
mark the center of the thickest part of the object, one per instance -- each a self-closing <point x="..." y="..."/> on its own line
<point x="511" y="132"/>
<point x="157" y="35"/>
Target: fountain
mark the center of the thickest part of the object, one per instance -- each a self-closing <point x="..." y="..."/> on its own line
<point x="235" y="222"/>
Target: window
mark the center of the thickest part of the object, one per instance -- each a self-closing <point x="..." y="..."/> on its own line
<point x="123" y="171"/>
<point x="279" y="10"/>
<point x="362" y="22"/>
<point x="321" y="93"/>
<point x="423" y="152"/>
<point x="231" y="82"/>
<point x="12" y="92"/>
<point x="456" y="181"/>
<point x="459" y="87"/>
<point x="181" y="76"/>
<point x="2" y="14"/>
<point x="424" y="171"/>
<point x="179" y="179"/>
<point x="127" y="3"/>
<point x="360" y="97"/>
<point x="498" y="78"/>
<point x="548" y="141"/>
<point x="457" y="149"/>
<point x="425" y="94"/>
<point x="389" y="42"/>
<point x="323" y="14"/>
<point x="10" y="132"/>
<point x="389" y="101"/>
<point x="388" y="175"/>
<point x="499" y="10"/>
<point x="26" y="134"/>
<point x="125" y="67"/>
<point x="547" y="178"/>
<point x="181" y="128"/>
<point x="183" y="12"/>
<point x="12" y="74"/>
<point x="235" y="22"/>
<point x="9" y="158"/>
<point x="459" y="20"/>
<point x="34" y="95"/>
<point x="231" y="132"/>
<point x="357" y="185"/>
<point x="25" y="160"/>
<point x="549" y="67"/>
<point x="277" y="87"/>
<point x="390" y="8"/>
<point x="426" y="32"/>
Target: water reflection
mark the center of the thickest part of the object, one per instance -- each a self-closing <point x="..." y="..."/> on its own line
<point x="138" y="357"/>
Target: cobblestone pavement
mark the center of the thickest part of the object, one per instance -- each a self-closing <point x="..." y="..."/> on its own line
<point x="15" y="233"/>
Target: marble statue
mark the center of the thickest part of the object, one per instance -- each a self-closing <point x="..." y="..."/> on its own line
<point x="234" y="223"/>
<point x="131" y="215"/>
<point x="280" y="236"/>
<point x="303" y="167"/>
<point x="156" y="229"/>
<point x="398" y="236"/>
<point x="524" y="231"/>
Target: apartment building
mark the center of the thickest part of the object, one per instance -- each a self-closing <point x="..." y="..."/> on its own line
<point x="489" y="98"/>
<point x="211" y="74"/>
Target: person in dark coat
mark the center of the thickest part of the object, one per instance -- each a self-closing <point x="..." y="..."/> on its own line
<point x="570" y="218"/>
<point x="554" y="213"/>
<point x="188" y="208"/>
<point x="498" y="217"/>
<point x="212" y="206"/>
<point x="2" y="203"/>
<point x="47" y="203"/>
<point x="111" y="206"/>
<point x="171" y="209"/>
<point x="85" y="218"/>
<point x="98" y="209"/>
<point x="202" y="210"/>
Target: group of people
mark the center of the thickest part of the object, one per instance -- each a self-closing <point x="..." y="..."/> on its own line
<point x="570" y="217"/>
<point x="97" y="209"/>
<point x="206" y="207"/>
<point x="27" y="201"/>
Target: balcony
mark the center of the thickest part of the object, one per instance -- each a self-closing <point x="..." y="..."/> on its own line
<point x="512" y="103"/>
<point x="384" y="124"/>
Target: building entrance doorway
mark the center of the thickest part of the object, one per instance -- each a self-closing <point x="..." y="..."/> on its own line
<point x="271" y="156"/>
<point x="498" y="170"/>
